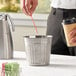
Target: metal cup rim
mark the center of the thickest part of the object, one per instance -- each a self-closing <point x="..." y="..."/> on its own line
<point x="38" y="36"/>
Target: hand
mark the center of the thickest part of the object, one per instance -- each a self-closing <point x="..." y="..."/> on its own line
<point x="29" y="6"/>
<point x="72" y="36"/>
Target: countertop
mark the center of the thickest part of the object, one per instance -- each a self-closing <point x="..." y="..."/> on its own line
<point x="60" y="65"/>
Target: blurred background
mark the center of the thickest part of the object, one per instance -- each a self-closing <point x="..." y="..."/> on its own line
<point x="14" y="6"/>
<point x="23" y="24"/>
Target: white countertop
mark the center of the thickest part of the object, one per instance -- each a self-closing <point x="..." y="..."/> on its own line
<point x="60" y="65"/>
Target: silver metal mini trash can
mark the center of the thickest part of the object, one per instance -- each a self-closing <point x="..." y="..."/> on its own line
<point x="38" y="49"/>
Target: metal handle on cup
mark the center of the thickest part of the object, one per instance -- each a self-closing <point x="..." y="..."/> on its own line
<point x="10" y="20"/>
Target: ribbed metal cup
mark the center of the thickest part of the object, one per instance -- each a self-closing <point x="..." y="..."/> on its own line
<point x="38" y="49"/>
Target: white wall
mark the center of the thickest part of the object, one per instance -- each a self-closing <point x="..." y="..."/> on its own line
<point x="21" y="31"/>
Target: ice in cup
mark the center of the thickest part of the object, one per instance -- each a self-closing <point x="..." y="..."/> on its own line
<point x="68" y="26"/>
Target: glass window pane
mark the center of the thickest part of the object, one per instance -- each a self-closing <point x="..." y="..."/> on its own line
<point x="14" y="6"/>
<point x="9" y="5"/>
<point x="43" y="6"/>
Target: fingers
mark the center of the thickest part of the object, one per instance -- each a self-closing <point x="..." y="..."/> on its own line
<point x="29" y="6"/>
<point x="33" y="6"/>
<point x="25" y="11"/>
<point x="26" y="7"/>
<point x="72" y="33"/>
<point x="73" y="40"/>
<point x="72" y="36"/>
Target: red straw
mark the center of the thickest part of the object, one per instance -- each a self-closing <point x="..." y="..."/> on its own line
<point x="34" y="24"/>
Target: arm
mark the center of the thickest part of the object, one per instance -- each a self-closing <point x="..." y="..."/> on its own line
<point x="29" y="6"/>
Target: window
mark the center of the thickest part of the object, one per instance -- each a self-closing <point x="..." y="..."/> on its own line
<point x="43" y="6"/>
<point x="9" y="5"/>
<point x="14" y="6"/>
